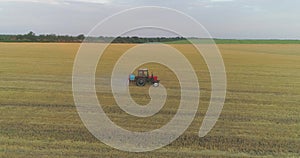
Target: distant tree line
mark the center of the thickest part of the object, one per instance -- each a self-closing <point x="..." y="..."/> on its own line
<point x="145" y="40"/>
<point x="32" y="37"/>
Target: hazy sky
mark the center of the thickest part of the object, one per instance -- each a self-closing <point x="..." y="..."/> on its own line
<point x="222" y="18"/>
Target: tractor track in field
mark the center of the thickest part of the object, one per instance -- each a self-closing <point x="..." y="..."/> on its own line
<point x="37" y="105"/>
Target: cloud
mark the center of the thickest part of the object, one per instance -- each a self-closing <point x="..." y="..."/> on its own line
<point x="36" y="1"/>
<point x="92" y="1"/>
<point x="253" y="8"/>
<point x="60" y="1"/>
<point x="221" y="0"/>
<point x="32" y="1"/>
<point x="222" y="18"/>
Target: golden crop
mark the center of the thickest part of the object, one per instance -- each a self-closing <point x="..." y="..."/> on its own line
<point x="260" y="116"/>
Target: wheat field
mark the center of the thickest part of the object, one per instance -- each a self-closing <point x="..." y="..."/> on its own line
<point x="260" y="117"/>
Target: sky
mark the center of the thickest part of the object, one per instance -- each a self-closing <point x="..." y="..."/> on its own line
<point x="232" y="19"/>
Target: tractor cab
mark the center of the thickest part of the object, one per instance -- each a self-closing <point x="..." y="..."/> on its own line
<point x="143" y="73"/>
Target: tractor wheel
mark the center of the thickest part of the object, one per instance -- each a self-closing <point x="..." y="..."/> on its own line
<point x="141" y="82"/>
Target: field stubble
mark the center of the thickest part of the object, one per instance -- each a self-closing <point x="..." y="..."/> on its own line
<point x="260" y="116"/>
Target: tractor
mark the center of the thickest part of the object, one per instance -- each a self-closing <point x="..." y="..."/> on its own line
<point x="143" y="77"/>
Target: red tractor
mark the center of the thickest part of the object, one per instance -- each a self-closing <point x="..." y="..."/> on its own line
<point x="143" y="77"/>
